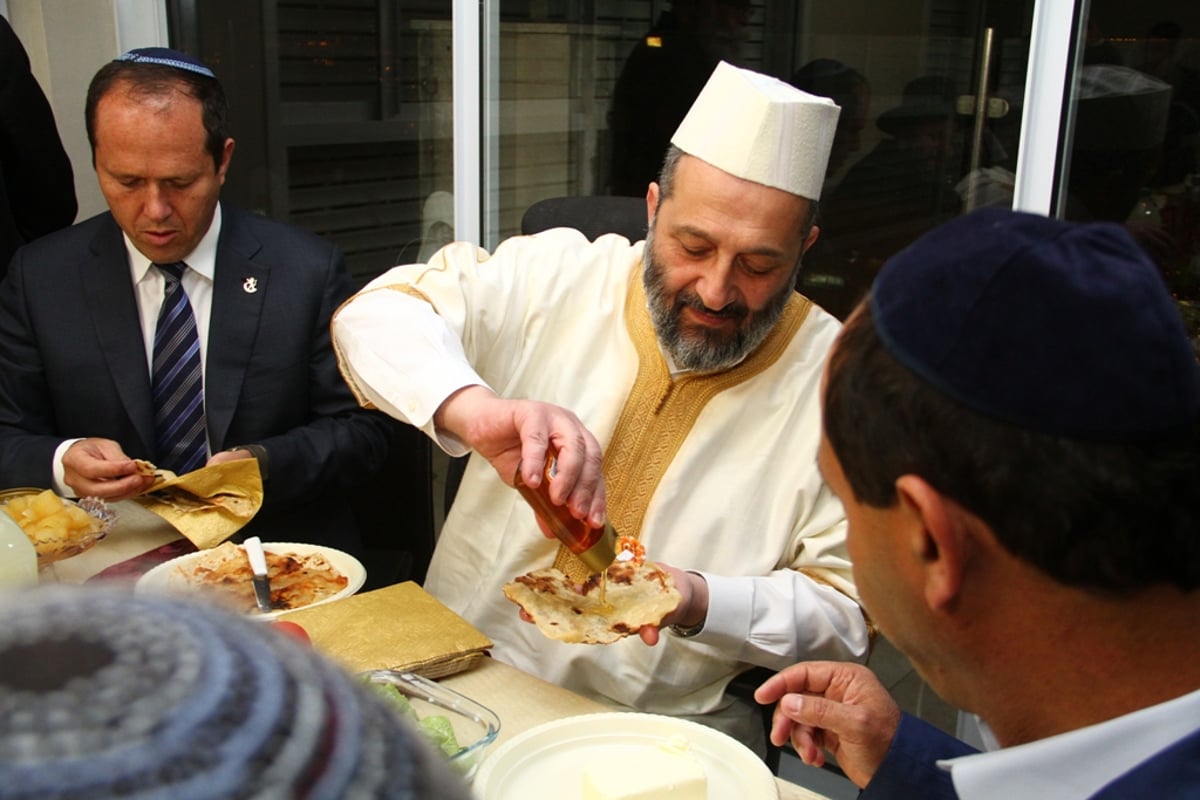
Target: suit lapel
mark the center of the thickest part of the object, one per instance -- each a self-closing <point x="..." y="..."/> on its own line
<point x="114" y="314"/>
<point x="239" y="288"/>
<point x="1173" y="772"/>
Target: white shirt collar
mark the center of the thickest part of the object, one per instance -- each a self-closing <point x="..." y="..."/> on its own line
<point x="1075" y="764"/>
<point x="202" y="259"/>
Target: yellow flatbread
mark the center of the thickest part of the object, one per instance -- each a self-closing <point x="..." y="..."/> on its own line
<point x="637" y="595"/>
<point x="185" y="502"/>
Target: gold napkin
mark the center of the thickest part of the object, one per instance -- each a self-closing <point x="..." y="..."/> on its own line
<point x="210" y="504"/>
<point x="400" y="627"/>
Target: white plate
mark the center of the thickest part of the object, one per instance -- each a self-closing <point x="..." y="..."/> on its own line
<point x="158" y="578"/>
<point x="548" y="761"/>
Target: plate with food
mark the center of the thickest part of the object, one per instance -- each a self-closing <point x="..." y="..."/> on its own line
<point x="621" y="755"/>
<point x="301" y="575"/>
<point x="59" y="528"/>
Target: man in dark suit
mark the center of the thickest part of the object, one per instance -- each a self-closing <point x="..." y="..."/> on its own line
<point x="1018" y="460"/>
<point x="37" y="186"/>
<point x="79" y="318"/>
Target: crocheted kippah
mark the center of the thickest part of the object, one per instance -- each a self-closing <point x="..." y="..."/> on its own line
<point x="1063" y="328"/>
<point x="104" y="693"/>
<point x="167" y="57"/>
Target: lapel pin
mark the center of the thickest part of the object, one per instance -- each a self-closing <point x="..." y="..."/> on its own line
<point x="250" y="285"/>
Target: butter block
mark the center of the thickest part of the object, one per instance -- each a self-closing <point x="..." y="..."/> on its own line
<point x="663" y="771"/>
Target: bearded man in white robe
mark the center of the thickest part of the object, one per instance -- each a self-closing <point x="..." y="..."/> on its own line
<point x="676" y="383"/>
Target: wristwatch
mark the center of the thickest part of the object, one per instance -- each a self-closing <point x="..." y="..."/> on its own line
<point x="687" y="632"/>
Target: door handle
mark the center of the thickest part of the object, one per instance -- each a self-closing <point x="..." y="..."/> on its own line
<point x="997" y="107"/>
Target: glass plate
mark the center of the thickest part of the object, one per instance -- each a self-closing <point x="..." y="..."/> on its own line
<point x="51" y="551"/>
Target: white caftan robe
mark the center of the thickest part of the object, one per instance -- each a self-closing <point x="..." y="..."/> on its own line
<point x="555" y="318"/>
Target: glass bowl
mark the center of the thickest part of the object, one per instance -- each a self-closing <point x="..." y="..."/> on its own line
<point x="56" y="544"/>
<point x="475" y="726"/>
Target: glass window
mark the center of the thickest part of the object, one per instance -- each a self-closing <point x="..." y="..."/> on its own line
<point x="341" y="113"/>
<point x="343" y="110"/>
<point x="590" y="94"/>
<point x="1134" y="154"/>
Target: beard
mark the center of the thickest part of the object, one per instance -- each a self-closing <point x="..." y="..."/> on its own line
<point x="700" y="348"/>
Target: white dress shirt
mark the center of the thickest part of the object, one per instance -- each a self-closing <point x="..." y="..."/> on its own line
<point x="1075" y="765"/>
<point x="149" y="287"/>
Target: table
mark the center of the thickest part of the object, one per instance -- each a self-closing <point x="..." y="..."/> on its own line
<point x="522" y="701"/>
<point x="136" y="531"/>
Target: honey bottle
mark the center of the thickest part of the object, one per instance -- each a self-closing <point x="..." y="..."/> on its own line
<point x="593" y="546"/>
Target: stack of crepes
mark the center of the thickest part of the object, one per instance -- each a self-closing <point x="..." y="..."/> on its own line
<point x="210" y="504"/>
<point x="400" y="627"/>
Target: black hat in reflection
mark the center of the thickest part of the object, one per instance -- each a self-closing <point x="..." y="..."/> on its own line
<point x="925" y="98"/>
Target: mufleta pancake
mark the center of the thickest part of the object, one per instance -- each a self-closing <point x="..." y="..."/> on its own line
<point x="637" y="595"/>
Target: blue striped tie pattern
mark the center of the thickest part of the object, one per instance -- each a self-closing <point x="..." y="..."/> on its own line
<point x="177" y="382"/>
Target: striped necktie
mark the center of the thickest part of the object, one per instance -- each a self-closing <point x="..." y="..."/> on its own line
<point x="177" y="382"/>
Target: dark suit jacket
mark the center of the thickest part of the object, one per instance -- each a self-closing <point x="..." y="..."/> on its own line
<point x="1174" y="772"/>
<point x="37" y="187"/>
<point x="73" y="364"/>
<point x="909" y="768"/>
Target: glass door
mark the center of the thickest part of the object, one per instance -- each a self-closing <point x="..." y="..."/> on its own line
<point x="1132" y="152"/>
<point x="932" y="92"/>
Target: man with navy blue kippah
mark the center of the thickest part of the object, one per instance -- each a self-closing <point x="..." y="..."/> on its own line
<point x="179" y="330"/>
<point x="1012" y="422"/>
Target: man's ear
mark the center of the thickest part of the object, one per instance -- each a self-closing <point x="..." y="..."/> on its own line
<point x="939" y="541"/>
<point x="651" y="201"/>
<point x="810" y="239"/>
<point x="226" y="157"/>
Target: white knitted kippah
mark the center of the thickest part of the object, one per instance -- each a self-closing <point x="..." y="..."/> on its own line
<point x="105" y="693"/>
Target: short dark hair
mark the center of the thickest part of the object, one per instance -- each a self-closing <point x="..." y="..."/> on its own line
<point x="666" y="186"/>
<point x="158" y="79"/>
<point x="1109" y="517"/>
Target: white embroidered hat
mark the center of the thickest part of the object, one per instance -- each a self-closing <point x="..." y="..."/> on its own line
<point x="760" y="129"/>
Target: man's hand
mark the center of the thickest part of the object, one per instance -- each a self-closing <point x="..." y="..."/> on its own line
<point x="842" y="708"/>
<point x="237" y="454"/>
<point x="100" y="468"/>
<point x="692" y="608"/>
<point x="526" y="432"/>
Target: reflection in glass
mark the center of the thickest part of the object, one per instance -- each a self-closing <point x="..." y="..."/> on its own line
<point x="341" y="112"/>
<point x="1135" y="154"/>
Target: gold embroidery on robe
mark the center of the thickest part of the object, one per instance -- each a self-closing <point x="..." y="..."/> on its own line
<point x="659" y="413"/>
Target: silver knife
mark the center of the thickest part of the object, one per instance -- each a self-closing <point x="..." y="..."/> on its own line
<point x="258" y="565"/>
